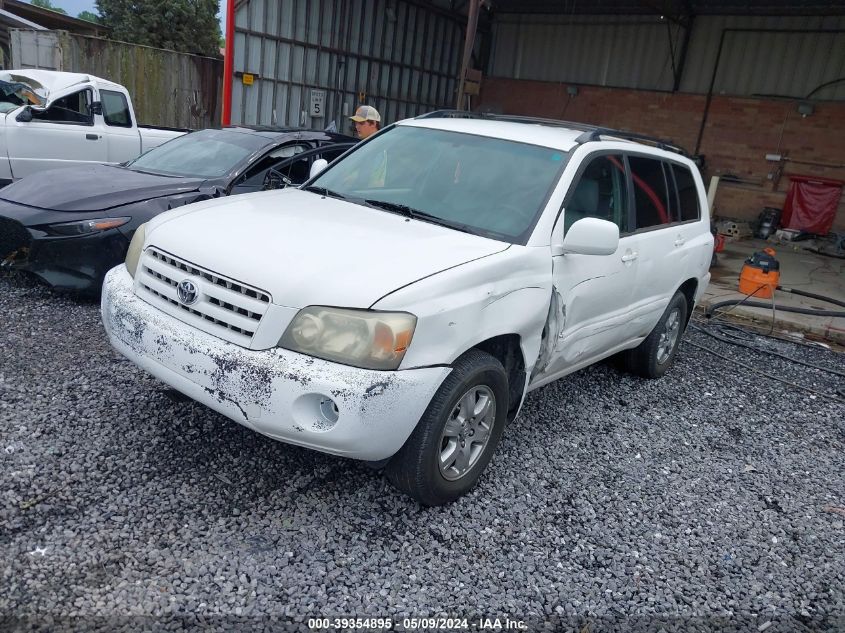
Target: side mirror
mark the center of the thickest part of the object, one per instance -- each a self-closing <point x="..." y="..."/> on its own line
<point x="97" y="107"/>
<point x="591" y="236"/>
<point x="317" y="166"/>
<point x="25" y="115"/>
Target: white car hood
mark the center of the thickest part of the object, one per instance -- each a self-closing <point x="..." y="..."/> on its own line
<point x="305" y="249"/>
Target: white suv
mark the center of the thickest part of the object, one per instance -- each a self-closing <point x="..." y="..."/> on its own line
<point x="398" y="306"/>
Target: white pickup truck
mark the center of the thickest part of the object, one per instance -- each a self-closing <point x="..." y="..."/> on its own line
<point x="51" y="119"/>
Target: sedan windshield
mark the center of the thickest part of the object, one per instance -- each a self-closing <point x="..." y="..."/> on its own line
<point x="207" y="154"/>
<point x="487" y="186"/>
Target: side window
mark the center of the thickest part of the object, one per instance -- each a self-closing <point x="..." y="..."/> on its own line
<point x="687" y="193"/>
<point x="74" y="108"/>
<point x="331" y="154"/>
<point x="601" y="192"/>
<point x="254" y="176"/>
<point x="650" y="192"/>
<point x="298" y="170"/>
<point x="115" y="109"/>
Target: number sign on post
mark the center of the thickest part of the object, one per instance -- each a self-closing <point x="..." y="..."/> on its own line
<point x="318" y="103"/>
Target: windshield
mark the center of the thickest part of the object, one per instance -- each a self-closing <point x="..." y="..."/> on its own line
<point x="14" y="94"/>
<point x="487" y="186"/>
<point x="207" y="154"/>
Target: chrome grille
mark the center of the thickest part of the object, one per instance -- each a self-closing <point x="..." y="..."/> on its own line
<point x="225" y="307"/>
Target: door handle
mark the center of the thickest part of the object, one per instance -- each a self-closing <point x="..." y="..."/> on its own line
<point x="91" y="137"/>
<point x="630" y="256"/>
<point x="680" y="241"/>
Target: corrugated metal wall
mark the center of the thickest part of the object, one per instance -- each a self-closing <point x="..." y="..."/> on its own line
<point x="636" y="52"/>
<point x="630" y="52"/>
<point x="401" y="57"/>
<point x="789" y="64"/>
<point x="167" y="88"/>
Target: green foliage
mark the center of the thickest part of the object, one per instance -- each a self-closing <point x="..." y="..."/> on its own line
<point x="189" y="26"/>
<point x="89" y="16"/>
<point x="47" y="4"/>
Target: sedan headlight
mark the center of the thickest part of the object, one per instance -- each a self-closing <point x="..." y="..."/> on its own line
<point x="135" y="247"/>
<point x="362" y="338"/>
<point x="84" y="227"/>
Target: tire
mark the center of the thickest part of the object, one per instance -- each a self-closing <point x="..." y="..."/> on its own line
<point x="476" y="378"/>
<point x="654" y="356"/>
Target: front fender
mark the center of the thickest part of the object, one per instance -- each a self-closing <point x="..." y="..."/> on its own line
<point x="505" y="293"/>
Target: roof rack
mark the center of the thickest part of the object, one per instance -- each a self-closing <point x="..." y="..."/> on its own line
<point x="597" y="134"/>
<point x="590" y="132"/>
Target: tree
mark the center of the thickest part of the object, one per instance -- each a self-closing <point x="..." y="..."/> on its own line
<point x="47" y="4"/>
<point x="89" y="16"/>
<point x="189" y="26"/>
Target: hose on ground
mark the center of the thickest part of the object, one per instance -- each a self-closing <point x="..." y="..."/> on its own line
<point x="759" y="304"/>
<point x="726" y="339"/>
<point x="811" y="295"/>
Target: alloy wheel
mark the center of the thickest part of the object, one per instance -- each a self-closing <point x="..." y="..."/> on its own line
<point x="467" y="432"/>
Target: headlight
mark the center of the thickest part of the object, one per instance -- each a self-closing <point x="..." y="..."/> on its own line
<point x="134" y="252"/>
<point x="83" y="227"/>
<point x="362" y="338"/>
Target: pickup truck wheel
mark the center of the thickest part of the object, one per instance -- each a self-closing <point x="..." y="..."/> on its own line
<point x="653" y="357"/>
<point x="457" y="435"/>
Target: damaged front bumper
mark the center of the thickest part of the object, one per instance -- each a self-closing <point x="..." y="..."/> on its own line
<point x="74" y="263"/>
<point x="357" y="413"/>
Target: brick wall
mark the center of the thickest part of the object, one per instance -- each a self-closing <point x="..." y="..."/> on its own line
<point x="738" y="135"/>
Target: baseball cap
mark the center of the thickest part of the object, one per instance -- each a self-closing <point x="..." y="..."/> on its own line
<point x="366" y="113"/>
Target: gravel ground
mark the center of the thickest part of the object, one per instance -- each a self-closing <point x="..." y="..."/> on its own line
<point x="712" y="497"/>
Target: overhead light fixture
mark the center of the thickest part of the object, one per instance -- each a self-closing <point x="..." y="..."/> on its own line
<point x="805" y="109"/>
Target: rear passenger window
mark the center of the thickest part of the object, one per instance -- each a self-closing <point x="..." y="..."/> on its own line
<point x="650" y="192"/>
<point x="115" y="109"/>
<point x="687" y="193"/>
<point x="601" y="193"/>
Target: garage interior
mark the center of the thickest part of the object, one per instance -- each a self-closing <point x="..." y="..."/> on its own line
<point x="754" y="88"/>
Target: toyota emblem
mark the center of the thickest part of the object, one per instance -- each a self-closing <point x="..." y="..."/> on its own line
<point x="187" y="292"/>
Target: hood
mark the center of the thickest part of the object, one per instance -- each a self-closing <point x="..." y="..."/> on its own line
<point x="308" y="250"/>
<point x="93" y="188"/>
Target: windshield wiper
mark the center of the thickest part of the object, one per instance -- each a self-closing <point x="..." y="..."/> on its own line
<point x="416" y="214"/>
<point x="328" y="193"/>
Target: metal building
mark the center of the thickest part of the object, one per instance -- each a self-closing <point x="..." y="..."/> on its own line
<point x="311" y="62"/>
<point x="783" y="55"/>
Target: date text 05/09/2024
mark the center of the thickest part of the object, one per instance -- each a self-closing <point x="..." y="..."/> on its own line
<point x="417" y="624"/>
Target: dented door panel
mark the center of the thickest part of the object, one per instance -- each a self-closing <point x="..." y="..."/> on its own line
<point x="594" y="294"/>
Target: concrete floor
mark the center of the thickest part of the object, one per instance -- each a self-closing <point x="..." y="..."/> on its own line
<point x="799" y="269"/>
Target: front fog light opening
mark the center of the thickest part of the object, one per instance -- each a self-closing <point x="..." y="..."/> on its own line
<point x="315" y="412"/>
<point x="329" y="410"/>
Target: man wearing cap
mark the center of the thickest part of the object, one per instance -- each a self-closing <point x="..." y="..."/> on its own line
<point x="367" y="121"/>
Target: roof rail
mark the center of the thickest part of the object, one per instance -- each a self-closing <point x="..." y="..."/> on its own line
<point x="590" y="132"/>
<point x="598" y="133"/>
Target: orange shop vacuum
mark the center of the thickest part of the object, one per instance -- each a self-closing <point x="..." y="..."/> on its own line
<point x="760" y="274"/>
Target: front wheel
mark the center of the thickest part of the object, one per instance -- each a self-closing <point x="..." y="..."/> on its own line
<point x="653" y="357"/>
<point x="457" y="435"/>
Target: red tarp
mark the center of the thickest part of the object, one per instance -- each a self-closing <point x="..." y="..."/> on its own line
<point x="811" y="204"/>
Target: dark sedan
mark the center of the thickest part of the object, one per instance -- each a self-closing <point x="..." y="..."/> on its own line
<point x="70" y="226"/>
